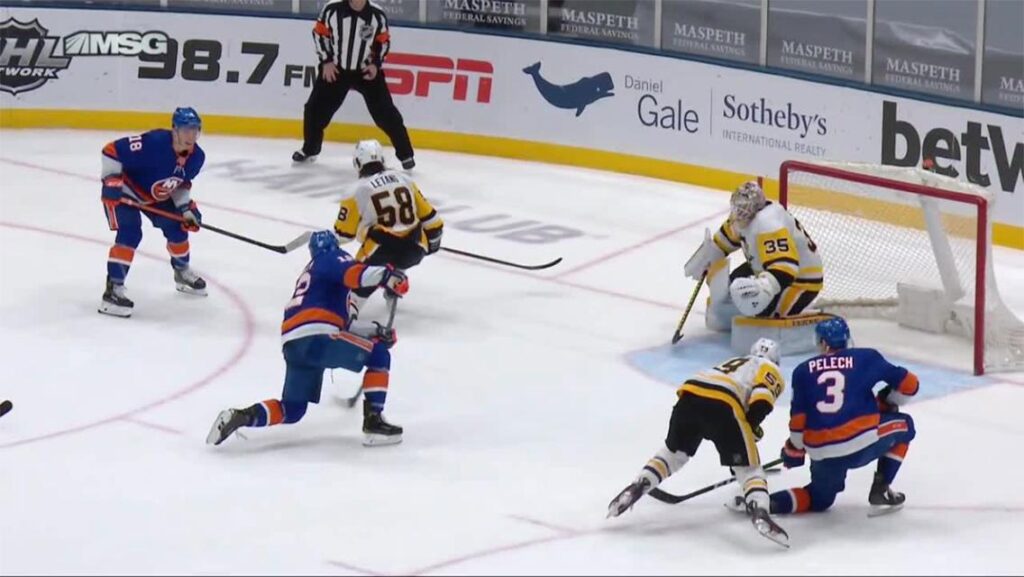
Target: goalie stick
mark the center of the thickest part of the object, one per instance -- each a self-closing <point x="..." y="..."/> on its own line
<point x="676" y="499"/>
<point x="393" y="305"/>
<point x="503" y="262"/>
<point x="295" y="243"/>
<point x="693" y="298"/>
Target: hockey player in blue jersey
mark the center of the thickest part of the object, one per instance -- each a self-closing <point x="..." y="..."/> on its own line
<point x="837" y="420"/>
<point x="317" y="335"/>
<point x="155" y="168"/>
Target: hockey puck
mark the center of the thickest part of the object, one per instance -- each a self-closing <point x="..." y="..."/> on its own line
<point x="5" y="407"/>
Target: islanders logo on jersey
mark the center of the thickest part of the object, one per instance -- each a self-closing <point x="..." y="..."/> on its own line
<point x="163" y="189"/>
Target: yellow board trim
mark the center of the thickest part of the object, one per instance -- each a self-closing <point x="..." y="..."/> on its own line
<point x="713" y="178"/>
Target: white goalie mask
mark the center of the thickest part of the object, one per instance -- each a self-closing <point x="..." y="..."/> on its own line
<point x="745" y="203"/>
<point x="766" y="348"/>
<point x="367" y="151"/>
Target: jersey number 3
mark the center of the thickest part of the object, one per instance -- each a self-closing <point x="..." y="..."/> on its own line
<point x="835" y="383"/>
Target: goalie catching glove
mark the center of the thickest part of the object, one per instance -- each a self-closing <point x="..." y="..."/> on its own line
<point x="752" y="295"/>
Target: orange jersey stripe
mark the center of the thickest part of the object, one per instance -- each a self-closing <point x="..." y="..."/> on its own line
<point x="275" y="414"/>
<point x="801" y="499"/>
<point x="846" y="431"/>
<point x="321" y="29"/>
<point x="313" y="316"/>
<point x="797" y="422"/>
<point x="353" y="275"/>
<point x="177" y="248"/>
<point x="110" y="150"/>
<point x="122" y="253"/>
<point x="892" y="427"/>
<point x="899" y="450"/>
<point x="354" y="339"/>
<point x="909" y="385"/>
<point x="375" y="380"/>
<point x="143" y="194"/>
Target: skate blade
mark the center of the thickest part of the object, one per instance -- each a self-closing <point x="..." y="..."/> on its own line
<point x="779" y="537"/>
<point x="114" y="310"/>
<point x="881" y="510"/>
<point x="376" y="440"/>
<point x="184" y="288"/>
<point x="214" y="436"/>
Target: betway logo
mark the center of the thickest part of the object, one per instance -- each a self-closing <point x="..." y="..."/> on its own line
<point x="943" y="144"/>
<point x="415" y="73"/>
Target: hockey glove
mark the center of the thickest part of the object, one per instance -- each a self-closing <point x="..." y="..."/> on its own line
<point x="758" y="432"/>
<point x="385" y="335"/>
<point x="792" y="457"/>
<point x="395" y="282"/>
<point x="883" y="401"/>
<point x="434" y="240"/>
<point x="193" y="218"/>
<point x="112" y="188"/>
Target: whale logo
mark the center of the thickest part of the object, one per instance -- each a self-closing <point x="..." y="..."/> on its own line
<point x="576" y="96"/>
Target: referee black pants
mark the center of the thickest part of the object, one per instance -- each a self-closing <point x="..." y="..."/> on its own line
<point x="327" y="97"/>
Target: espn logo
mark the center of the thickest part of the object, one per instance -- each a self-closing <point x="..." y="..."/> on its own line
<point x="87" y="43"/>
<point x="414" y="73"/>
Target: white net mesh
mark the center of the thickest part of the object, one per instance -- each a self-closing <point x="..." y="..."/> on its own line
<point x="873" y="238"/>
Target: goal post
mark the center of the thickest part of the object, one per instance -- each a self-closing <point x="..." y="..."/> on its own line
<point x="908" y="245"/>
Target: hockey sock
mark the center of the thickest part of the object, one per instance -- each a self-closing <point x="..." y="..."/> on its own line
<point x="755" y="488"/>
<point x="119" y="261"/>
<point x="890" y="462"/>
<point x="179" y="254"/>
<point x="796" y="500"/>
<point x="663" y="464"/>
<point x="375" y="388"/>
<point x="274" y="412"/>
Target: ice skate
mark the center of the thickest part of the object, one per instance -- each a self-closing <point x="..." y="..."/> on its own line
<point x="115" y="301"/>
<point x="228" y="421"/>
<point x="189" y="282"/>
<point x="377" y="431"/>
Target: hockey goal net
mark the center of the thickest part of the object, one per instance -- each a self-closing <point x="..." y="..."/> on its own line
<point x="907" y="245"/>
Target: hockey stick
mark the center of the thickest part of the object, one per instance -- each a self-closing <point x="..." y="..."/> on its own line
<point x="693" y="298"/>
<point x="393" y="305"/>
<point x="297" y="242"/>
<point x="503" y="262"/>
<point x="675" y="499"/>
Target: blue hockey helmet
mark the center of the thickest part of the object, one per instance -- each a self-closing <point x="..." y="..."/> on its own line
<point x="186" y="117"/>
<point x="834" y="332"/>
<point x="323" y="242"/>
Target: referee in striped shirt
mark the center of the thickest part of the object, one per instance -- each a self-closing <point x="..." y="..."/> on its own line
<point x="352" y="38"/>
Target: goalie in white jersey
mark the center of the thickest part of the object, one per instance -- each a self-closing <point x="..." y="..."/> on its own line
<point x="782" y="274"/>
<point x="387" y="213"/>
<point x="725" y="405"/>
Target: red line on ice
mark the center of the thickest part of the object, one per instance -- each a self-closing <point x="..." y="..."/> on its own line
<point x="641" y="244"/>
<point x="556" y="280"/>
<point x="243" y="348"/>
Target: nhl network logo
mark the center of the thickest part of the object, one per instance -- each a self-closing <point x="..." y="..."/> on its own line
<point x="28" y="56"/>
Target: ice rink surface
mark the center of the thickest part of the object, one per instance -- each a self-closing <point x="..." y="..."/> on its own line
<point x="528" y="399"/>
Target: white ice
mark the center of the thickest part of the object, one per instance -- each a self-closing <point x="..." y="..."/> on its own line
<point x="524" y="409"/>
